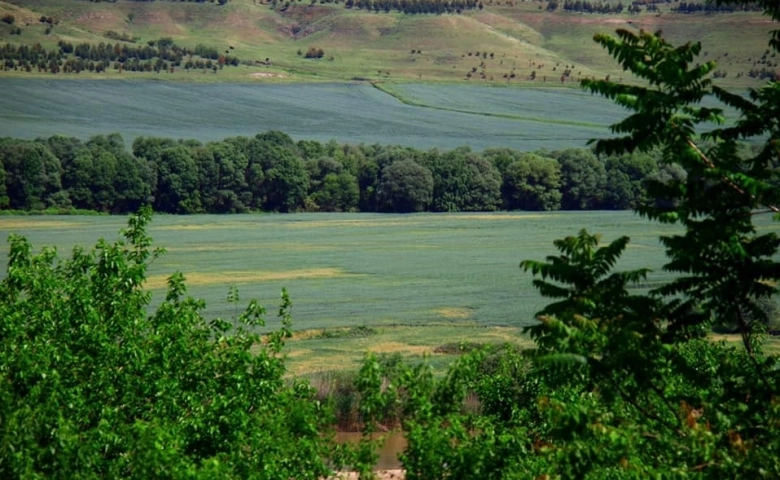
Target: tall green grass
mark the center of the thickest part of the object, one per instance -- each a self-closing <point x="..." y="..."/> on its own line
<point x="361" y="269"/>
<point x="415" y="285"/>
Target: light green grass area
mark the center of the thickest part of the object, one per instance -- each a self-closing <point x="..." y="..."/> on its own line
<point x="365" y="282"/>
<point x="447" y="116"/>
<point x="354" y="269"/>
<point x="311" y="352"/>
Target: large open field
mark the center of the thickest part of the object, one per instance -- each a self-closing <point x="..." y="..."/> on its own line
<point x="418" y="280"/>
<point x="440" y="116"/>
<point x="387" y="283"/>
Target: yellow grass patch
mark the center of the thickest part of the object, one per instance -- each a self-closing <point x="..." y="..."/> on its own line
<point x="24" y="223"/>
<point x="353" y="223"/>
<point x="454" y="312"/>
<point x="398" y="347"/>
<point x="298" y="352"/>
<point x="318" y="363"/>
<point x="509" y="334"/>
<point x="202" y="226"/>
<point x="227" y="278"/>
<point x="306" y="334"/>
<point x="210" y="248"/>
<point x="265" y="247"/>
<point x="517" y="216"/>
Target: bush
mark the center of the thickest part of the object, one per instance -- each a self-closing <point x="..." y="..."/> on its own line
<point x="314" y="52"/>
<point x="94" y="386"/>
<point x="8" y="18"/>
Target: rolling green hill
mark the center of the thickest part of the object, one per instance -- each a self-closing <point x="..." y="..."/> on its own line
<point x="505" y="42"/>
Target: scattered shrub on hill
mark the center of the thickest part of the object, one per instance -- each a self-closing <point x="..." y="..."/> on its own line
<point x="314" y="52"/>
<point x="122" y="37"/>
<point x="8" y="18"/>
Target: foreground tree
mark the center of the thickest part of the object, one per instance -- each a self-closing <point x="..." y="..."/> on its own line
<point x="95" y="386"/>
<point x="623" y="384"/>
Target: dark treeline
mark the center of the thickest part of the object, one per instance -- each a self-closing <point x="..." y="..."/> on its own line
<point x="415" y="6"/>
<point x="712" y="7"/>
<point x="156" y="55"/>
<point x="637" y="6"/>
<point x="271" y="172"/>
<point x="435" y="7"/>
<point x="589" y="7"/>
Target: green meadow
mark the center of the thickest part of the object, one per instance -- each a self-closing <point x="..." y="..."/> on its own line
<point x="390" y="283"/>
<point x="447" y="116"/>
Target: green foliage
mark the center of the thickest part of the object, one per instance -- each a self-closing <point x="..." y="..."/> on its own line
<point x="273" y="173"/>
<point x="94" y="386"/>
<point x="583" y="179"/>
<point x="406" y="186"/>
<point x="724" y="263"/>
<point x="532" y="183"/>
<point x="623" y="383"/>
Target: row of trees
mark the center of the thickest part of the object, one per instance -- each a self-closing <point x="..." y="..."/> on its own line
<point x="157" y="55"/>
<point x="415" y="6"/>
<point x="588" y="7"/>
<point x="607" y="7"/>
<point x="271" y="172"/>
<point x="711" y="7"/>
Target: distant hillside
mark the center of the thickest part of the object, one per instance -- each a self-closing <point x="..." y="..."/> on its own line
<point x="492" y="42"/>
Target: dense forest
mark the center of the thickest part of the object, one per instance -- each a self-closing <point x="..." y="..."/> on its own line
<point x="272" y="172"/>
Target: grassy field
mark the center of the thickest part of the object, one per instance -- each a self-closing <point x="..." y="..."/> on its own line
<point x="387" y="283"/>
<point x="444" y="116"/>
<point x="402" y="283"/>
<point x="522" y="36"/>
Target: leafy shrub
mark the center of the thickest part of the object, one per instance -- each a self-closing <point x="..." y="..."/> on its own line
<point x="94" y="386"/>
<point x="624" y="383"/>
<point x="314" y="52"/>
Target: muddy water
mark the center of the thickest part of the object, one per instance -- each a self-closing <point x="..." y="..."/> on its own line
<point x="394" y="444"/>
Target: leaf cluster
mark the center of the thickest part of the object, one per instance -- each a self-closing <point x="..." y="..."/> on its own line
<point x="93" y="385"/>
<point x="624" y="382"/>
